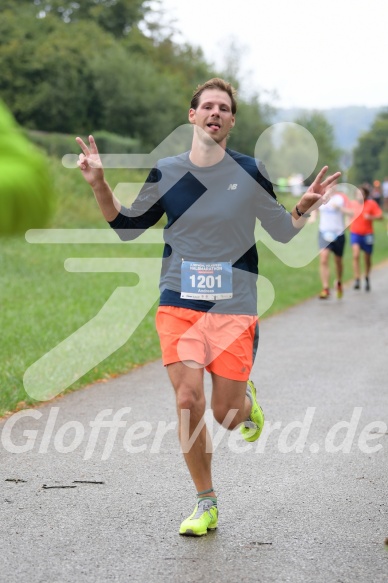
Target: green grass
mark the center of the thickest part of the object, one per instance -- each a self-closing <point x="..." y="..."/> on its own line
<point x="42" y="303"/>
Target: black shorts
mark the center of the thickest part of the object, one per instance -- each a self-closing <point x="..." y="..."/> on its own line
<point x="336" y="246"/>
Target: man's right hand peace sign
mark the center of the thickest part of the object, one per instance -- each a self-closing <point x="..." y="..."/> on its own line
<point x="89" y="162"/>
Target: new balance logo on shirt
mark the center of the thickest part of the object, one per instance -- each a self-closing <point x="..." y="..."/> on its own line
<point x="232" y="186"/>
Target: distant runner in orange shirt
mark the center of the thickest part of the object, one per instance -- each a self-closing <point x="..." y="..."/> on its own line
<point x="361" y="233"/>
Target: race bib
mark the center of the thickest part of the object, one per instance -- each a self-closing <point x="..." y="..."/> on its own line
<point x="206" y="281"/>
<point x="329" y="236"/>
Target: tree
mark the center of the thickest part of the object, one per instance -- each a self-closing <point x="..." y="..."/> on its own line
<point x="371" y="153"/>
<point x="383" y="163"/>
<point x="46" y="78"/>
<point x="145" y="103"/>
<point x="183" y="62"/>
<point x="114" y="16"/>
<point x="323" y="133"/>
<point x="55" y="80"/>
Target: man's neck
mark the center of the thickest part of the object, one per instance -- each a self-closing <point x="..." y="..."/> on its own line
<point x="206" y="154"/>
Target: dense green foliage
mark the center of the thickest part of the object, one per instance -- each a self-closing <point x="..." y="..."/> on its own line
<point x="74" y="77"/>
<point x="370" y="161"/>
<point x="114" y="16"/>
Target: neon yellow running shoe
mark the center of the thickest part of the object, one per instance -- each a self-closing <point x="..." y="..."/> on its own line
<point x="204" y="518"/>
<point x="252" y="428"/>
<point x="340" y="291"/>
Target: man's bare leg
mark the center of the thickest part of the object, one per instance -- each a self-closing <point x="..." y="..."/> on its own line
<point x="324" y="267"/>
<point x="356" y="261"/>
<point x="338" y="267"/>
<point x="230" y="405"/>
<point x="187" y="380"/>
<point x="230" y="396"/>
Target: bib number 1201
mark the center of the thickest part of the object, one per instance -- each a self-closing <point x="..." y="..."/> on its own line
<point x="205" y="281"/>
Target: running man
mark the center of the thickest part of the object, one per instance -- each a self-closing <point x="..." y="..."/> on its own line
<point x="207" y="317"/>
<point x="331" y="239"/>
<point x="366" y="211"/>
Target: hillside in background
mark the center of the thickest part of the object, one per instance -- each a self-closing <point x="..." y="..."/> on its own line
<point x="348" y="122"/>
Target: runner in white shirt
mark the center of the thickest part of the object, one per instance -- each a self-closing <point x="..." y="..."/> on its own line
<point x="331" y="239"/>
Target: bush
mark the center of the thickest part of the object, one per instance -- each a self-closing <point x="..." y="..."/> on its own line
<point x="55" y="144"/>
<point x="109" y="143"/>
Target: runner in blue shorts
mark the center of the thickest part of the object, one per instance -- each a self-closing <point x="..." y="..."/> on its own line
<point x="366" y="211"/>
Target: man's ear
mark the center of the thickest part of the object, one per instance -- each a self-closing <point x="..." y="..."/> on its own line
<point x="191" y="115"/>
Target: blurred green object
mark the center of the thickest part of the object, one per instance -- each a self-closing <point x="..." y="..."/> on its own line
<point x="26" y="189"/>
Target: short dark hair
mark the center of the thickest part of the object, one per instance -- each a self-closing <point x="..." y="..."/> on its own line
<point x="215" y="83"/>
<point x="365" y="189"/>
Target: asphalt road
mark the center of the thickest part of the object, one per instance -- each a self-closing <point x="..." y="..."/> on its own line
<point x="307" y="503"/>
